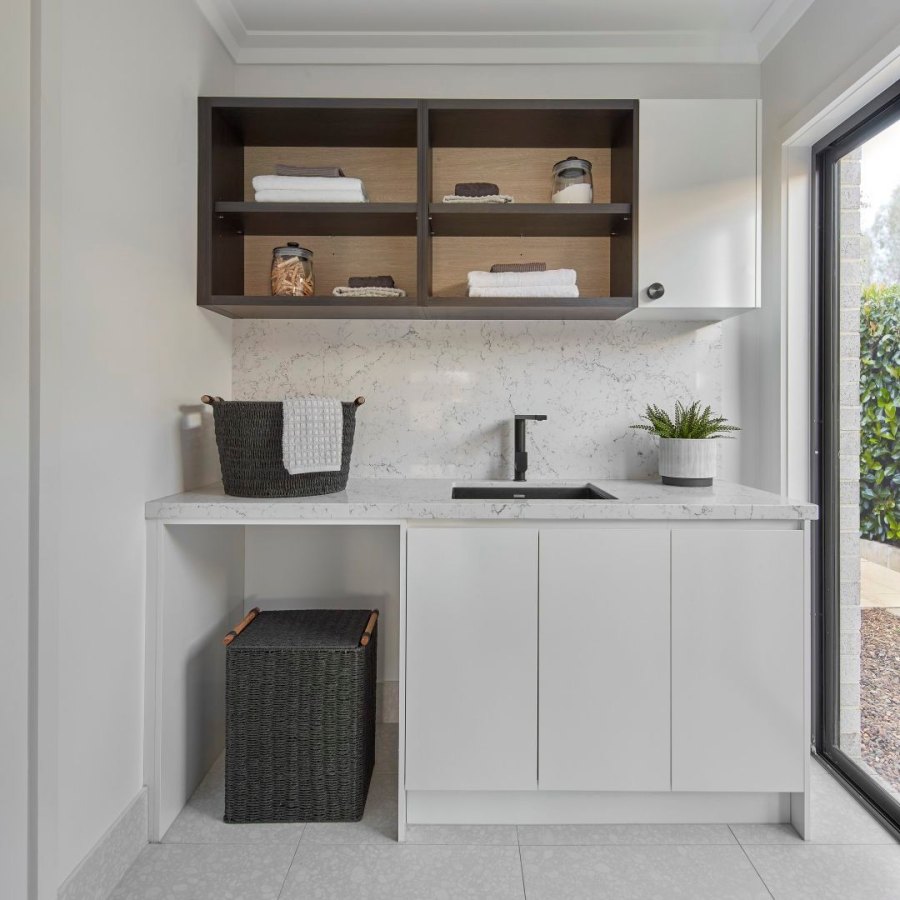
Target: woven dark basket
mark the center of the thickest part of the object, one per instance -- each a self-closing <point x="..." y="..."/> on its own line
<point x="300" y="718"/>
<point x="248" y="435"/>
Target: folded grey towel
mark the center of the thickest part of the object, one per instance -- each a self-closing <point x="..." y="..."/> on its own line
<point x="476" y="189"/>
<point x="309" y="171"/>
<point x="519" y="267"/>
<point x="361" y="281"/>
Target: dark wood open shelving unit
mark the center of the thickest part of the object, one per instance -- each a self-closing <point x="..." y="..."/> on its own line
<point x="409" y="153"/>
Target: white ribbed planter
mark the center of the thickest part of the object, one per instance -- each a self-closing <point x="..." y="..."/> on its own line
<point x="688" y="463"/>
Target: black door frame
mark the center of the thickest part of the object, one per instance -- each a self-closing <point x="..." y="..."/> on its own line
<point x="882" y="112"/>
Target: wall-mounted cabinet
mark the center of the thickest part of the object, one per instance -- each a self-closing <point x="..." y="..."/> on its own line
<point x="688" y="171"/>
<point x="699" y="209"/>
<point x="409" y="154"/>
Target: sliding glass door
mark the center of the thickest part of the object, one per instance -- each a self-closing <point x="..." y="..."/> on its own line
<point x="857" y="452"/>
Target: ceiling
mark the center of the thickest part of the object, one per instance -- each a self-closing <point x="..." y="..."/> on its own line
<point x="498" y="31"/>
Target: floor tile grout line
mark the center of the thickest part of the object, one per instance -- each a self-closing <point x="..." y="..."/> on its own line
<point x="522" y="870"/>
<point x="290" y="866"/>
<point x="753" y="865"/>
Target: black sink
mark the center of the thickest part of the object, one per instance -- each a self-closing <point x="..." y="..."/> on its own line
<point x="530" y="492"/>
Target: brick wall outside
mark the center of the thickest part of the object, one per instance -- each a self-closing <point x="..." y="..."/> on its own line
<point x="851" y="275"/>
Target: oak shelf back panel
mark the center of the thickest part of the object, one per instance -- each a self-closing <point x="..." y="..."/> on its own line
<point x="454" y="257"/>
<point x="522" y="172"/>
<point x="335" y="259"/>
<point x="388" y="173"/>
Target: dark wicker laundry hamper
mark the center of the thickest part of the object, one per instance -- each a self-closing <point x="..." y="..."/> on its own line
<point x="300" y="716"/>
<point x="248" y="435"/>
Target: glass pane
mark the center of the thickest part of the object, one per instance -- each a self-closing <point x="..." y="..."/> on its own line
<point x="870" y="457"/>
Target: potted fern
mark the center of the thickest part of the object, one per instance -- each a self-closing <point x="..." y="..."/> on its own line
<point x="687" y="453"/>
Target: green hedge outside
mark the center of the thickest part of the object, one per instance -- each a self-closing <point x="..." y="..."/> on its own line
<point x="879" y="394"/>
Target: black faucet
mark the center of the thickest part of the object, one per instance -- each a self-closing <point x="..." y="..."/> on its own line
<point x="521" y="458"/>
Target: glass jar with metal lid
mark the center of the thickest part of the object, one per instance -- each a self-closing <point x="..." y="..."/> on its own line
<point x="572" y="181"/>
<point x="292" y="271"/>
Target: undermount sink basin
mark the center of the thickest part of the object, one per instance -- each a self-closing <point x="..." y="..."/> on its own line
<point x="530" y="492"/>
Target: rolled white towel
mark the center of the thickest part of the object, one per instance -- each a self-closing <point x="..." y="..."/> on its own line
<point x="523" y="279"/>
<point x="310" y="197"/>
<point x="547" y="290"/>
<point x="305" y="183"/>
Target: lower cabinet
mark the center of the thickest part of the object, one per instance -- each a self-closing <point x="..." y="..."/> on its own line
<point x="738" y="660"/>
<point x="604" y="710"/>
<point x="605" y="659"/>
<point x="471" y="661"/>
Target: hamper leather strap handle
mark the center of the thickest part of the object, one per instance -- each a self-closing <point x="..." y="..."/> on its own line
<point x="359" y="401"/>
<point x="240" y="626"/>
<point x="209" y="400"/>
<point x="370" y="627"/>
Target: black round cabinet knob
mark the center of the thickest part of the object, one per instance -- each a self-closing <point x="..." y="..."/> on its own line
<point x="655" y="291"/>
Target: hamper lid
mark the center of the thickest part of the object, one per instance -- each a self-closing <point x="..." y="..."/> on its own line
<point x="337" y="629"/>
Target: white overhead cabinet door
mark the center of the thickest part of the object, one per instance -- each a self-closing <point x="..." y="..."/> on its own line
<point x="471" y="664"/>
<point x="737" y="661"/>
<point x="698" y="208"/>
<point x="604" y="660"/>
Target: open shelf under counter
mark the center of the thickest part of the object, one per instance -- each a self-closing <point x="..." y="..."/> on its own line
<point x="528" y="219"/>
<point x="362" y="219"/>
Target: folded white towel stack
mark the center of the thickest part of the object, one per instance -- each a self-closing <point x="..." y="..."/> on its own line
<point x="543" y="290"/>
<point x="312" y="435"/>
<point x="308" y="189"/>
<point x="552" y="283"/>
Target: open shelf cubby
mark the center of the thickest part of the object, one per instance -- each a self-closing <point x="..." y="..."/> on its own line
<point x="409" y="154"/>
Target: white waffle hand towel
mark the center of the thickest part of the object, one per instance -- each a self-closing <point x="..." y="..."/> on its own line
<point x="312" y="435"/>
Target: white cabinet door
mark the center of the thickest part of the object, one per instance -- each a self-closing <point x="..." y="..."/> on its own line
<point x="698" y="206"/>
<point x="737" y="660"/>
<point x="471" y="660"/>
<point x="604" y="660"/>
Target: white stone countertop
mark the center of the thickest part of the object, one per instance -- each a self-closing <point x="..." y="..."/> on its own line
<point x="429" y="498"/>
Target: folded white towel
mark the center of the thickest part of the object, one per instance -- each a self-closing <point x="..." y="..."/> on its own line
<point x="312" y="435"/>
<point x="305" y="183"/>
<point x="522" y="279"/>
<point x="547" y="290"/>
<point x="368" y="292"/>
<point x="311" y="197"/>
<point x="490" y="198"/>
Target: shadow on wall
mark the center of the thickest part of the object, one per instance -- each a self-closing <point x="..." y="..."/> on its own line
<point x="199" y="456"/>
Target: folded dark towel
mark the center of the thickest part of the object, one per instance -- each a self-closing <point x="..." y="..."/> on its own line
<point x="359" y="281"/>
<point x="309" y="171"/>
<point x="519" y="267"/>
<point x="476" y="189"/>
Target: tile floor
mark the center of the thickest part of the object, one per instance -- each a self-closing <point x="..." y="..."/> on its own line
<point x="850" y="857"/>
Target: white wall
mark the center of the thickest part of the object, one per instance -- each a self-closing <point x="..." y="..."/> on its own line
<point x="15" y="63"/>
<point x="124" y="348"/>
<point x="736" y="350"/>
<point x="832" y="47"/>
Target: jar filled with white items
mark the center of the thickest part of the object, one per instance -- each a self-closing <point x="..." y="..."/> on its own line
<point x="572" y="181"/>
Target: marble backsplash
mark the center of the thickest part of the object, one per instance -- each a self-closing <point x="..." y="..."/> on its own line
<point x="440" y="396"/>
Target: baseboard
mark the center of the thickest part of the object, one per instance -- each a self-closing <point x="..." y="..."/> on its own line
<point x="387" y="701"/>
<point x="108" y="860"/>
<point x="586" y="807"/>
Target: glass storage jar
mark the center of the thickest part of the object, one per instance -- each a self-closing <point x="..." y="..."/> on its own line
<point x="292" y="271"/>
<point x="572" y="181"/>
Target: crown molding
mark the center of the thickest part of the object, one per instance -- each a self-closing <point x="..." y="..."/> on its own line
<point x="249" y="47"/>
<point x="775" y="23"/>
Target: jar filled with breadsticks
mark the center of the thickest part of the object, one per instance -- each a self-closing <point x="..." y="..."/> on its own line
<point x="292" y="271"/>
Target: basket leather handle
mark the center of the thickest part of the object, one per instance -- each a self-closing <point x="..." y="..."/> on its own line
<point x="209" y="400"/>
<point x="359" y="401"/>
<point x="370" y="627"/>
<point x="240" y="626"/>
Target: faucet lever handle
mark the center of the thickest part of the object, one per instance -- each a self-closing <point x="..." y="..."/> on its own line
<point x="540" y="418"/>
